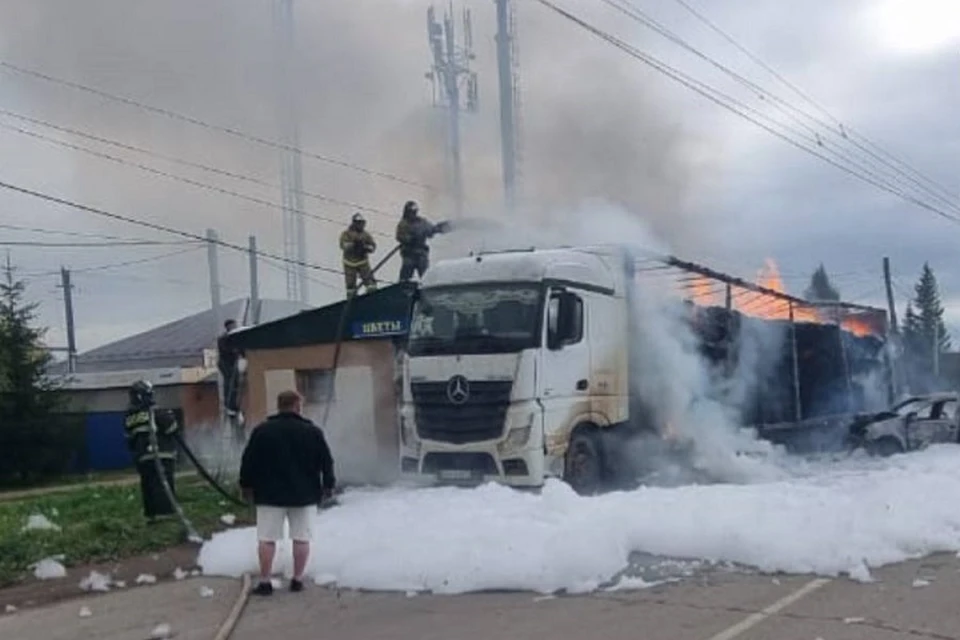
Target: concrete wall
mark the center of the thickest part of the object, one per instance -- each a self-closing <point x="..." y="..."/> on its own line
<point x="362" y="424"/>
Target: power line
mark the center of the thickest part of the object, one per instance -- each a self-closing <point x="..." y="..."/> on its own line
<point x="724" y="101"/>
<point x="171" y="176"/>
<point x="214" y="127"/>
<point x="845" y="131"/>
<point x="159" y="227"/>
<point x="188" y="163"/>
<point x="80" y="245"/>
<point x="81" y="234"/>
<point x="630" y="10"/>
<point x="125" y="263"/>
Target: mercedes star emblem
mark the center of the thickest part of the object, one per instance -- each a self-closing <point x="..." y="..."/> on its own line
<point x="458" y="389"/>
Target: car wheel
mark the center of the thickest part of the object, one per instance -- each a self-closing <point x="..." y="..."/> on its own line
<point x="884" y="447"/>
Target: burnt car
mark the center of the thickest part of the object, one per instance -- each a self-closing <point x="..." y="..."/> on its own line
<point x="910" y="425"/>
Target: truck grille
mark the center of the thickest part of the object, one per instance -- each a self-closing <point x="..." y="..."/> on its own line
<point x="480" y="418"/>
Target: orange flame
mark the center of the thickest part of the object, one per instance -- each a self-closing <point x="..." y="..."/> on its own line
<point x="765" y="307"/>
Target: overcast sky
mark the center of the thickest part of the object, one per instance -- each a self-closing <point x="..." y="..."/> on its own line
<point x="597" y="123"/>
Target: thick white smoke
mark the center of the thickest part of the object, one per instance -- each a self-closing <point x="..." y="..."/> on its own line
<point x="682" y="390"/>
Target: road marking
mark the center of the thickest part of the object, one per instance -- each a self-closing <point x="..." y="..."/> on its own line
<point x="775" y="608"/>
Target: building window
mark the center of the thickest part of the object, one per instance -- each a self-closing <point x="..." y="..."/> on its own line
<point x="316" y="386"/>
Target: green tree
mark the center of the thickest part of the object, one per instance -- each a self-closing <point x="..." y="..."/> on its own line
<point x="820" y="288"/>
<point x="33" y="437"/>
<point x="923" y="325"/>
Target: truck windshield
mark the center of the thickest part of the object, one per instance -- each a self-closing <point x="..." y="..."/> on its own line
<point x="491" y="318"/>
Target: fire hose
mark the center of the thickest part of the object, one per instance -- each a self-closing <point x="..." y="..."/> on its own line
<point x="191" y="531"/>
<point x="441" y="227"/>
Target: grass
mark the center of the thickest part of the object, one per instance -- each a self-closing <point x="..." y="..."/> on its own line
<point x="100" y="524"/>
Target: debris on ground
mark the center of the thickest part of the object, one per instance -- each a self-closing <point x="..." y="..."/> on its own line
<point x="179" y="574"/>
<point x="920" y="582"/>
<point x="96" y="581"/>
<point x="85" y="612"/>
<point x="161" y="632"/>
<point x="49" y="569"/>
<point x="228" y="519"/>
<point x="206" y="592"/>
<point x="854" y="620"/>
<point x="40" y="522"/>
<point x="10" y="609"/>
<point x="146" y="578"/>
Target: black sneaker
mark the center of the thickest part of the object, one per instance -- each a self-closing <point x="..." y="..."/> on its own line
<point x="296" y="585"/>
<point x="263" y="589"/>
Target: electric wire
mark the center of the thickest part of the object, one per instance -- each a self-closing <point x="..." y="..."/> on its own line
<point x="845" y="131"/>
<point x="159" y="227"/>
<point x="83" y="234"/>
<point x="185" y="180"/>
<point x="169" y="113"/>
<point x="725" y="101"/>
<point x="796" y="114"/>
<point x="189" y="163"/>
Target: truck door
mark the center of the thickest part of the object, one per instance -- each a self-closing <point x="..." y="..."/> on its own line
<point x="564" y="377"/>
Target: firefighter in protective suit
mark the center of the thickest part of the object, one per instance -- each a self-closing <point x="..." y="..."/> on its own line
<point x="137" y="427"/>
<point x="413" y="231"/>
<point x="357" y="244"/>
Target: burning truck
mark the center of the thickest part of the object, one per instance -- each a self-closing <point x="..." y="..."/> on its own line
<point x="518" y="367"/>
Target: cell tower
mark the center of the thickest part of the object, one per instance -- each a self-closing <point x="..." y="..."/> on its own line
<point x="508" y="63"/>
<point x="451" y="77"/>
<point x="291" y="171"/>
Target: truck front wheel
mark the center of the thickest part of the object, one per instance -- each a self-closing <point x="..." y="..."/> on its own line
<point x="583" y="463"/>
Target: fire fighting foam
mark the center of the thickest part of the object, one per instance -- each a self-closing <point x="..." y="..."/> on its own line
<point x="843" y="518"/>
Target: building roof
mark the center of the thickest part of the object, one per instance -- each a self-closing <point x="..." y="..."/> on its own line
<point x="180" y="343"/>
<point x="384" y="313"/>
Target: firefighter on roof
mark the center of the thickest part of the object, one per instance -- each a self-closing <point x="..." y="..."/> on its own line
<point x="357" y="244"/>
<point x="413" y="231"/>
<point x="140" y="418"/>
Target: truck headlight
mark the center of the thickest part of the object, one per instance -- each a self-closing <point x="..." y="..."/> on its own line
<point x="519" y="436"/>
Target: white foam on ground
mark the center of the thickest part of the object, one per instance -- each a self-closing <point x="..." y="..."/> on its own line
<point x="40" y="522"/>
<point x="828" y="519"/>
<point x="49" y="569"/>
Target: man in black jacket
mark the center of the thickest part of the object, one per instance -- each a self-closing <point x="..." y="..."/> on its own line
<point x="286" y="471"/>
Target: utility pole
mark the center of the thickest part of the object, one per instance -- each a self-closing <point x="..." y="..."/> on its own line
<point x="213" y="265"/>
<point x="936" y="349"/>
<point x="509" y="91"/>
<point x="894" y="334"/>
<point x="450" y="64"/>
<point x="254" y="282"/>
<point x="68" y="306"/>
<point x="889" y="286"/>
<point x="291" y="170"/>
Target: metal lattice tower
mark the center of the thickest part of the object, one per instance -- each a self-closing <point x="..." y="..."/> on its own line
<point x="508" y="68"/>
<point x="450" y="70"/>
<point x="291" y="171"/>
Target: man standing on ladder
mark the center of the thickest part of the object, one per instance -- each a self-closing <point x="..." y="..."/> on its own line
<point x="357" y="244"/>
<point x="413" y="232"/>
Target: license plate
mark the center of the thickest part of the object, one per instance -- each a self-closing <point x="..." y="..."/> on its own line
<point x="455" y="474"/>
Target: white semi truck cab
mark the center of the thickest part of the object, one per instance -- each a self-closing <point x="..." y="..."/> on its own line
<point x="516" y="363"/>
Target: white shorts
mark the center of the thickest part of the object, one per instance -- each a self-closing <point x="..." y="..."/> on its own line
<point x="270" y="522"/>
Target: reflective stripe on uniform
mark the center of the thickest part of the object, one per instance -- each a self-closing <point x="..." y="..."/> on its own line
<point x="355" y="264"/>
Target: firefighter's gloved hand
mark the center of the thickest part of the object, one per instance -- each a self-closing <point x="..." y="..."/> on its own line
<point x="442" y="227"/>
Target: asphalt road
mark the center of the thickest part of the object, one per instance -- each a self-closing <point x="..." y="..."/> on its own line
<point x="909" y="600"/>
<point x="914" y="600"/>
